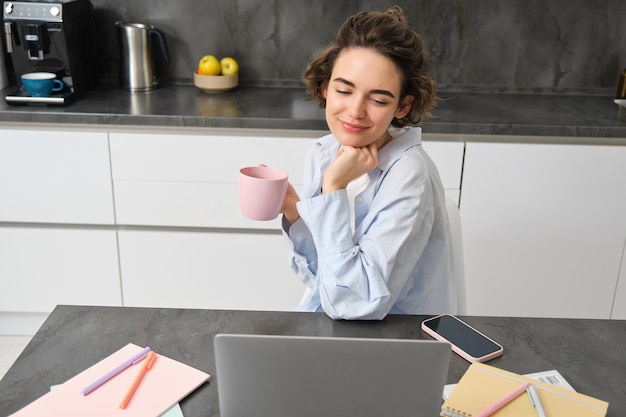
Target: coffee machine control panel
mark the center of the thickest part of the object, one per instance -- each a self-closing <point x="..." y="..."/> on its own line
<point x="50" y="12"/>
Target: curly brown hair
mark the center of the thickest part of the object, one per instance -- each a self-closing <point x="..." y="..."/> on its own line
<point x="389" y="34"/>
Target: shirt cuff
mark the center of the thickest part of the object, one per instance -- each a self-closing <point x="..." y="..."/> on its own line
<point x="327" y="217"/>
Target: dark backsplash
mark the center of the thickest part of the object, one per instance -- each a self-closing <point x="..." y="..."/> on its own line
<point x="501" y="45"/>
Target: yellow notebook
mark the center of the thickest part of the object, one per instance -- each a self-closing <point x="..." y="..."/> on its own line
<point x="483" y="385"/>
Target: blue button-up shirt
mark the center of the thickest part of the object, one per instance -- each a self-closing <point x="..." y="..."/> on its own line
<point x="399" y="257"/>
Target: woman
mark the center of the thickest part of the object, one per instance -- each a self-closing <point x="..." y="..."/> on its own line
<point x="370" y="235"/>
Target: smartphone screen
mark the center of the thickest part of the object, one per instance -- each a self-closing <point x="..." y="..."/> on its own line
<point x="462" y="336"/>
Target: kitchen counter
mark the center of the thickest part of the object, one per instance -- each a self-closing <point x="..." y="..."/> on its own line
<point x="565" y="118"/>
<point x="588" y="353"/>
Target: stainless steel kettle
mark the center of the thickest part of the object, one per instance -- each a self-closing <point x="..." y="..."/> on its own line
<point x="137" y="59"/>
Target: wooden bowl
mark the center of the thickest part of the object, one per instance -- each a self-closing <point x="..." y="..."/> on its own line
<point x="215" y="83"/>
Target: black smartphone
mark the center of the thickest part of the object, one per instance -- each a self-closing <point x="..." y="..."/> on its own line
<point x="466" y="341"/>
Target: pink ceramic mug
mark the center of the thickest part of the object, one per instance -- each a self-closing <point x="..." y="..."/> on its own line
<point x="262" y="192"/>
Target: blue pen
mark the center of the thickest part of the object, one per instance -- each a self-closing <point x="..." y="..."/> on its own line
<point x="104" y="378"/>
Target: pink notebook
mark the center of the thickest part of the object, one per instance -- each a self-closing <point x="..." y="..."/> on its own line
<point x="164" y="385"/>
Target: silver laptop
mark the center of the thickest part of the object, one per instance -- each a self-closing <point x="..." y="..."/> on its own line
<point x="297" y="376"/>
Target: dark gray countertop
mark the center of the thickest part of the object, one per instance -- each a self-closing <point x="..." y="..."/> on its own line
<point x="588" y="353"/>
<point x="542" y="115"/>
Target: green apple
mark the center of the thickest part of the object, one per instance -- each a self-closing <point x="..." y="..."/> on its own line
<point x="209" y="65"/>
<point x="229" y="66"/>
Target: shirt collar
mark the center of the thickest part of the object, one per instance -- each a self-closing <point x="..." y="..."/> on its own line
<point x="412" y="136"/>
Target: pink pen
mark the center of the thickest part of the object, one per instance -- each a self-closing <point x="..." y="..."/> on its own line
<point x="504" y="401"/>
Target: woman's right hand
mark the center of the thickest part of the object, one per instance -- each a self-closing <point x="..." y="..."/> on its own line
<point x="289" y="206"/>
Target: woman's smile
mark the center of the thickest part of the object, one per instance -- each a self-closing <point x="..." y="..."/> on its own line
<point x="352" y="127"/>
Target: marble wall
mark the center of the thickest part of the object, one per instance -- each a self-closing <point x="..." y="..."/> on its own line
<point x="503" y="45"/>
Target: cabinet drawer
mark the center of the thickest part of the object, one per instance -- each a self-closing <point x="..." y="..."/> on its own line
<point x="41" y="268"/>
<point x="240" y="271"/>
<point x="55" y="177"/>
<point x="192" y="180"/>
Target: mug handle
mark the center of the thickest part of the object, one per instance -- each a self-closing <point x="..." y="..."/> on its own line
<point x="58" y="85"/>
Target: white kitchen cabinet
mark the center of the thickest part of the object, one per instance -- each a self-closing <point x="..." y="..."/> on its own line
<point x="53" y="176"/>
<point x="192" y="180"/>
<point x="50" y="180"/>
<point x="43" y="267"/>
<point x="543" y="228"/>
<point x="619" y="303"/>
<point x="239" y="271"/>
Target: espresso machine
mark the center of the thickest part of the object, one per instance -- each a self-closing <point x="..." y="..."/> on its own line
<point x="51" y="36"/>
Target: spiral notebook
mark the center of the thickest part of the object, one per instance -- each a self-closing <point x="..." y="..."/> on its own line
<point x="483" y="385"/>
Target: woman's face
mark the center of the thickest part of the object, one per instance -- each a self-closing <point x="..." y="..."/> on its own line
<point x="362" y="97"/>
